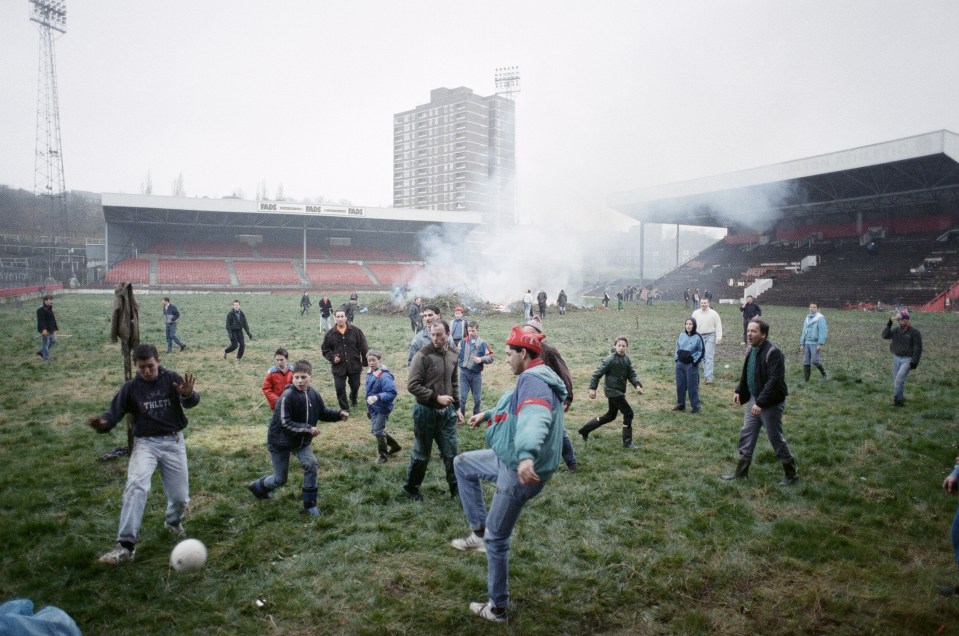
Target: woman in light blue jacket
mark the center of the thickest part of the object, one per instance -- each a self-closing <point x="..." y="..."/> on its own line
<point x="689" y="352"/>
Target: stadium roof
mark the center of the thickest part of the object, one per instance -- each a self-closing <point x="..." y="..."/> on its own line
<point x="146" y="209"/>
<point x="909" y="171"/>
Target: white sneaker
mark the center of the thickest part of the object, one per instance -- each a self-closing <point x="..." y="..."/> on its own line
<point x="118" y="555"/>
<point x="471" y="543"/>
<point x="485" y="610"/>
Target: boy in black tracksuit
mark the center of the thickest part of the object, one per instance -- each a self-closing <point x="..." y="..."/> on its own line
<point x="292" y="430"/>
<point x="618" y="369"/>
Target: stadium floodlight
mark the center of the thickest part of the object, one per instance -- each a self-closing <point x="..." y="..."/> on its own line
<point x="507" y="80"/>
<point x="50" y="13"/>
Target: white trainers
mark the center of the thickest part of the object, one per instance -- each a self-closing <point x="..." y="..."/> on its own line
<point x="118" y="555"/>
<point x="485" y="610"/>
<point x="176" y="528"/>
<point x="471" y="543"/>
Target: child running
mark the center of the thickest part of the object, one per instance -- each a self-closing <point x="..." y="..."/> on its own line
<point x="292" y="430"/>
<point x="618" y="369"/>
<point x="380" y="393"/>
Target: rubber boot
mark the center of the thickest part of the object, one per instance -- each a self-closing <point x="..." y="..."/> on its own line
<point x="451" y="478"/>
<point x="805" y="372"/>
<point x="393" y="444"/>
<point x="309" y="502"/>
<point x="414" y="477"/>
<point x="381" y="447"/>
<point x="259" y="489"/>
<point x="825" y="376"/>
<point x="588" y="428"/>
<point x="742" y="471"/>
<point x="628" y="437"/>
<point x="789" y="468"/>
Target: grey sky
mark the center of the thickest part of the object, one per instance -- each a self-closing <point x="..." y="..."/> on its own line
<point x="615" y="95"/>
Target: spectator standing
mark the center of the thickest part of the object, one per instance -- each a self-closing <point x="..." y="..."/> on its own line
<point x="434" y="383"/>
<point x="686" y="297"/>
<point x="236" y="324"/>
<point x="170" y="318"/>
<point x="345" y="347"/>
<point x="762" y="387"/>
<point x="696" y="298"/>
<point x="689" y="352"/>
<point x="422" y="338"/>
<point x="605" y="299"/>
<point x="474" y="355"/>
<point x="812" y="340"/>
<point x="710" y="327"/>
<point x="561" y="302"/>
<point x="457" y="327"/>
<point x="906" y="348"/>
<point x="279" y="376"/>
<point x="155" y="397"/>
<point x="619" y="300"/>
<point x="46" y="327"/>
<point x="416" y="321"/>
<point x="524" y="436"/>
<point x="305" y="303"/>
<point x="528" y="304"/>
<point x="354" y="305"/>
<point x="326" y="312"/>
<point x="541" y="301"/>
<point x="749" y="310"/>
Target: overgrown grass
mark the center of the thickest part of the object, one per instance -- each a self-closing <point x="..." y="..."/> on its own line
<point x="648" y="541"/>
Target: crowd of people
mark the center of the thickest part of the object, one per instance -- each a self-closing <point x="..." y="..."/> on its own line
<point x="525" y="429"/>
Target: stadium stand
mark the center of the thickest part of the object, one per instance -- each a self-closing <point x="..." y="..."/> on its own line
<point x="400" y="255"/>
<point x="210" y="248"/>
<point x="393" y="274"/>
<point x="132" y="270"/>
<point x="332" y="274"/>
<point x="286" y="250"/>
<point x="192" y="272"/>
<point x="356" y="253"/>
<point x="163" y="248"/>
<point x="265" y="273"/>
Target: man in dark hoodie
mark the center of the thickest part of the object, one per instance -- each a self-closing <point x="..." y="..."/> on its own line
<point x="291" y="432"/>
<point x="762" y="387"/>
<point x="434" y="382"/>
<point x="345" y="347"/>
<point x="156" y="398"/>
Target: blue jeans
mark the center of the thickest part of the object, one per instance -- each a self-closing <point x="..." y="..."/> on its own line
<point x="169" y="453"/>
<point x="687" y="379"/>
<point x="281" y="467"/>
<point x="709" y="345"/>
<point x="471" y="382"/>
<point x="900" y="371"/>
<point x="955" y="536"/>
<point x="771" y="419"/>
<point x="527" y="310"/>
<point x="378" y="424"/>
<point x="46" y="343"/>
<point x="569" y="457"/>
<point x="325" y="323"/>
<point x="810" y="356"/>
<point x="171" y="337"/>
<point x="509" y="497"/>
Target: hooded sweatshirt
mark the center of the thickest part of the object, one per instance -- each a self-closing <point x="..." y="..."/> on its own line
<point x="689" y="346"/>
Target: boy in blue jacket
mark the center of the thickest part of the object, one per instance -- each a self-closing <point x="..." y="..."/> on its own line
<point x="380" y="393"/>
<point x="291" y="432"/>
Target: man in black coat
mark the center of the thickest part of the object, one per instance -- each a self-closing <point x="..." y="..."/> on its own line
<point x="750" y="310"/>
<point x="46" y="327"/>
<point x="762" y="385"/>
<point x="345" y="347"/>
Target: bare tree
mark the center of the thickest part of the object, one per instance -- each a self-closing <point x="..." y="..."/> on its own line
<point x="147" y="186"/>
<point x="261" y="191"/>
<point x="178" y="186"/>
<point x="279" y="192"/>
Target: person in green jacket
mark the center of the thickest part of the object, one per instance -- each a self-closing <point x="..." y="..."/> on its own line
<point x="618" y="369"/>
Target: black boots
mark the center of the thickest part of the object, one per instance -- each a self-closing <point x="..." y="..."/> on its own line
<point x="309" y="502"/>
<point x="805" y="372"/>
<point x="414" y="477"/>
<point x="381" y="448"/>
<point x="789" y="468"/>
<point x="392" y="443"/>
<point x="628" y="437"/>
<point x="742" y="471"/>
<point x="588" y="428"/>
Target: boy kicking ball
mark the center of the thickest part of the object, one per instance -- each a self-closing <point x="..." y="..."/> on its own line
<point x="156" y="398"/>
<point x="292" y="430"/>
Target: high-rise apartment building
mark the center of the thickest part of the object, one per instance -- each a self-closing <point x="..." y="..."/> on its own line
<point x="457" y="153"/>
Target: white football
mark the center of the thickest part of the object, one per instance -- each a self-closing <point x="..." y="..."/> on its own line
<point x="188" y="555"/>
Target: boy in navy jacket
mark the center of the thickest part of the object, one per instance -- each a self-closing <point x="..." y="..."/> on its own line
<point x="380" y="394"/>
<point x="291" y="432"/>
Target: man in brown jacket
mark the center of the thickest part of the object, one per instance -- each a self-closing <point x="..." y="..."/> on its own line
<point x="434" y="382"/>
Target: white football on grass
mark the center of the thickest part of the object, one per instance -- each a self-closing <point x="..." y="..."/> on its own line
<point x="188" y="555"/>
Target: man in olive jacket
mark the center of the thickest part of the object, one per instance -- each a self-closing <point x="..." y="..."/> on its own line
<point x="434" y="382"/>
<point x="345" y="347"/>
<point x="762" y="387"/>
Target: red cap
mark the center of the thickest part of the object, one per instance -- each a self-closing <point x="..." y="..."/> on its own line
<point x="525" y="339"/>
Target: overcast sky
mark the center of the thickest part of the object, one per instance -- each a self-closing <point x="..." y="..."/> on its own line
<point x="614" y="95"/>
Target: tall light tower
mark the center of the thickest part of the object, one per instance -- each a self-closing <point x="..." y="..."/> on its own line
<point x="503" y="163"/>
<point x="48" y="181"/>
<point x="507" y="81"/>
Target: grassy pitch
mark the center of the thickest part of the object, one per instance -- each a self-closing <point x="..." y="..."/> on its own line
<point x="647" y="541"/>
